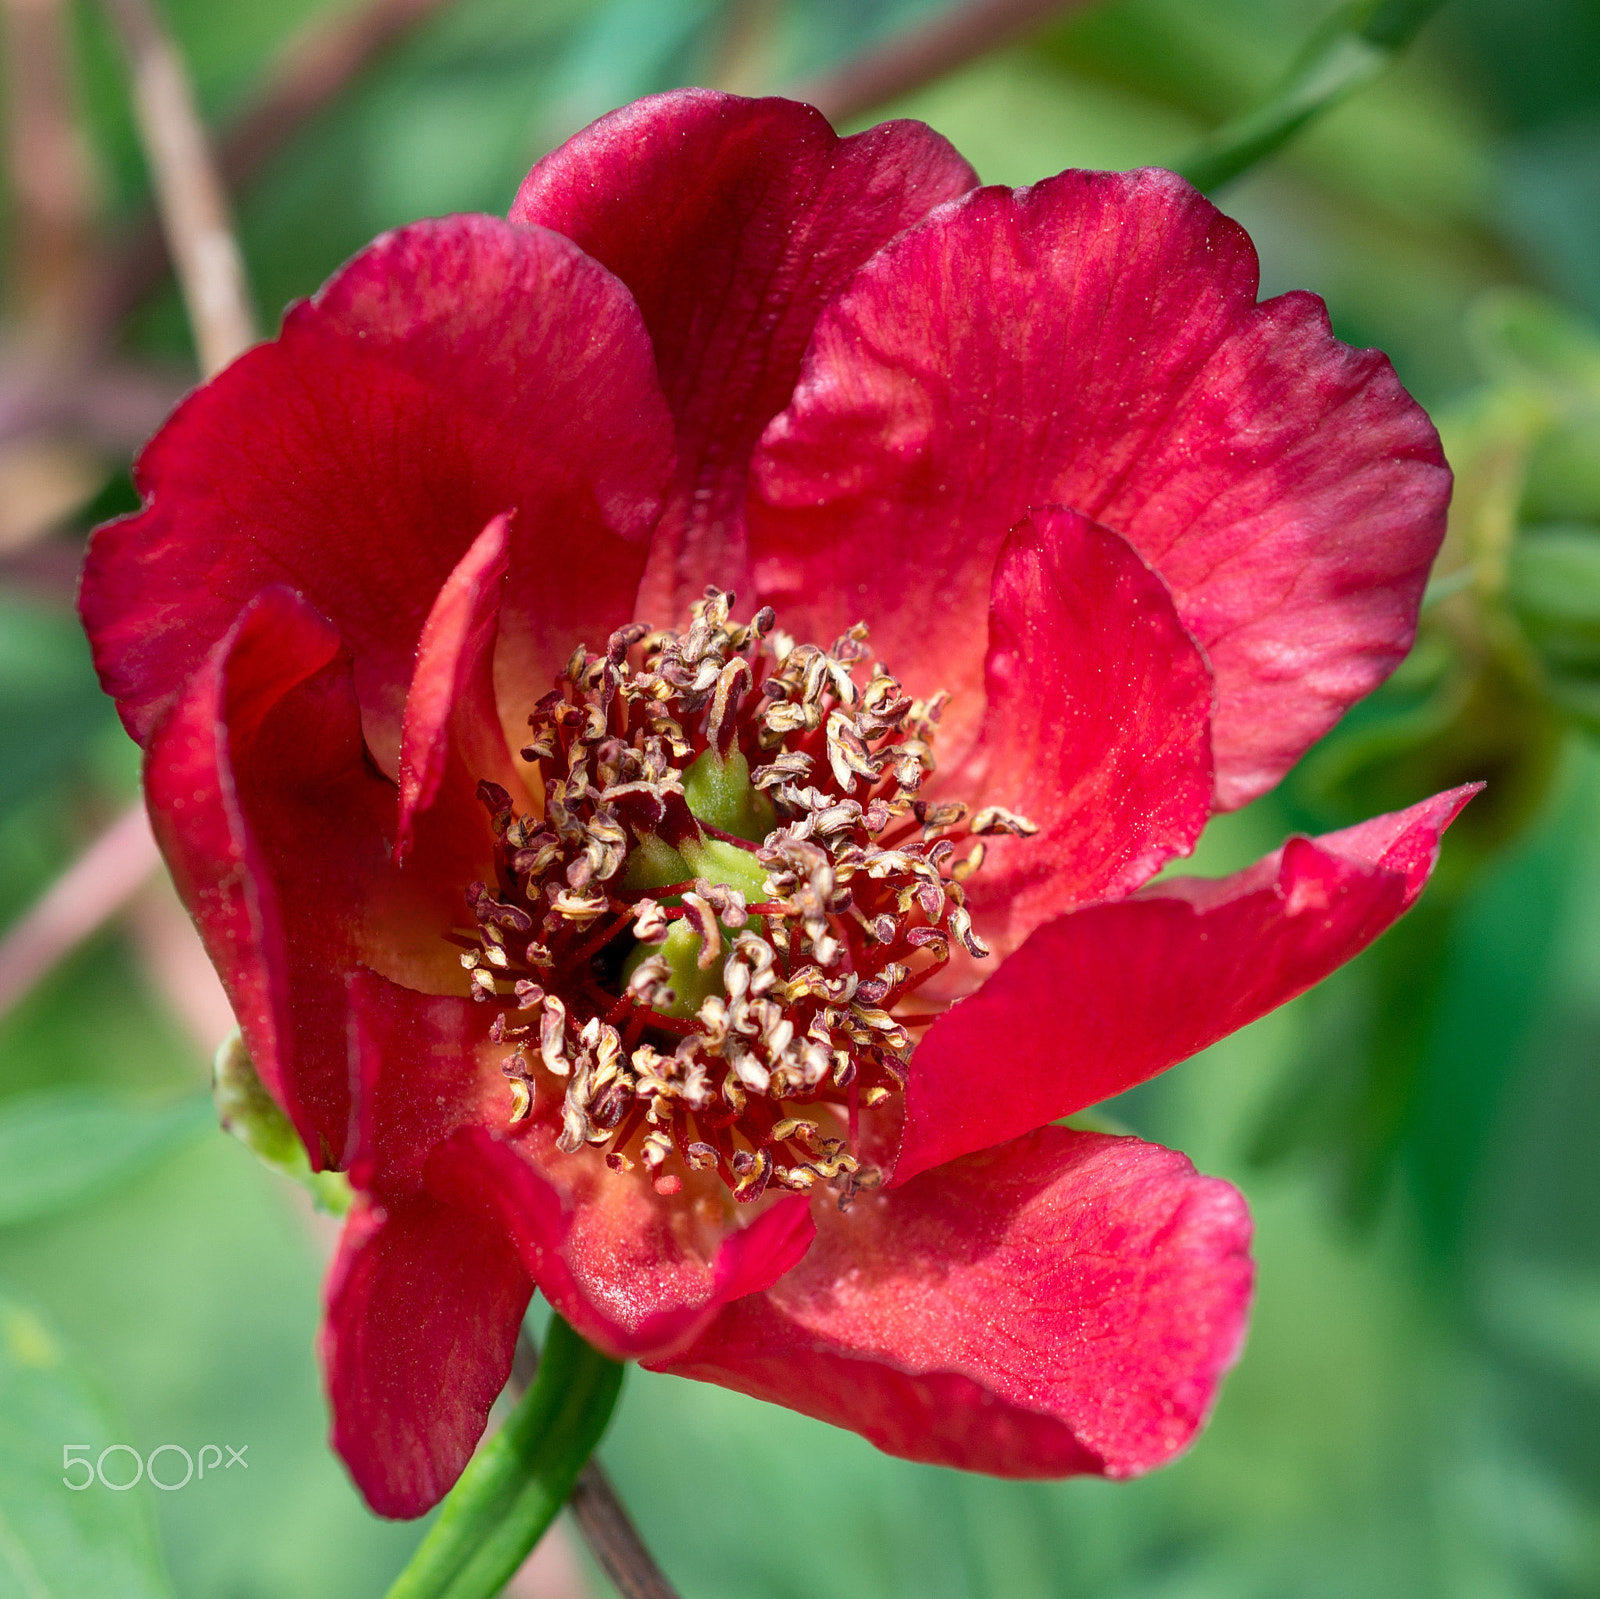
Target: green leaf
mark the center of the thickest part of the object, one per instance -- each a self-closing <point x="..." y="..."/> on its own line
<point x="62" y="1148"/>
<point x="1579" y="697"/>
<point x="1355" y="50"/>
<point x="55" y="1542"/>
<point x="515" y="1484"/>
<point x="1549" y="1314"/>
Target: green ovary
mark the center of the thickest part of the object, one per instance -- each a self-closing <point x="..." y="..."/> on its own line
<point x="720" y="794"/>
<point x="681" y="952"/>
<point x="718" y="862"/>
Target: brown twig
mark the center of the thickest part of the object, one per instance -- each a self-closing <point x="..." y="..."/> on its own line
<point x="51" y="175"/>
<point x="314" y="68"/>
<point x="607" y="1528"/>
<point x="46" y="472"/>
<point x="614" y="1540"/>
<point x="919" y="55"/>
<point x="86" y="896"/>
<point x="194" y="211"/>
<point x="189" y="192"/>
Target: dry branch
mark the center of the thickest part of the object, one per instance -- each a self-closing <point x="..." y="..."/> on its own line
<point x="194" y="212"/>
<point x="317" y="65"/>
<point x="50" y="175"/>
<point x="189" y="192"/>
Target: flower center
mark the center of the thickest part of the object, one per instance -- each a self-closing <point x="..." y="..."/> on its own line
<point x="706" y="944"/>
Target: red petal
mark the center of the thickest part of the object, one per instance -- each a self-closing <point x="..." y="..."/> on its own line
<point x="1097" y="727"/>
<point x="732" y="221"/>
<point x="273" y="821"/>
<point x="1095" y="342"/>
<point x="453" y="370"/>
<point x="1065" y="1303"/>
<point x="636" y="1274"/>
<point x="423" y="1066"/>
<point x="423" y="1308"/>
<point x="1111" y="995"/>
<point x="451" y="723"/>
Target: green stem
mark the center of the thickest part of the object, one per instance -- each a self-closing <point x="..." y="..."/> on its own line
<point x="1356" y="48"/>
<point x="515" y="1484"/>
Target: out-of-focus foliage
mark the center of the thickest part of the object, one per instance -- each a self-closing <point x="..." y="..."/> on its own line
<point x="49" y="701"/>
<point x="1418" y="1413"/>
<point x="1507" y="666"/>
<point x="61" y="1530"/>
<point x="67" y="1148"/>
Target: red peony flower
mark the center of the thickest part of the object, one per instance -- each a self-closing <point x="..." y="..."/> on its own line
<point x="728" y="979"/>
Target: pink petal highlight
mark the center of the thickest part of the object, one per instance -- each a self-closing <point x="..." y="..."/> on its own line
<point x="1097" y="728"/>
<point x="452" y="371"/>
<point x="1065" y="1303"/>
<point x="1110" y="995"/>
<point x="1095" y="342"/>
<point x="635" y="1274"/>
<point x="732" y="222"/>
<point x="423" y="1306"/>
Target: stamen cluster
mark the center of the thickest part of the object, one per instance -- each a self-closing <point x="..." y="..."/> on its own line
<point x="689" y="986"/>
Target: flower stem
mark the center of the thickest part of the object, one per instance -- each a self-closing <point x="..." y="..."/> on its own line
<point x="606" y="1526"/>
<point x="1357" y="47"/>
<point x="513" y="1487"/>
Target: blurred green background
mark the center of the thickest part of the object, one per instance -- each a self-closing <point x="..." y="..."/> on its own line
<point x="1418" y="1410"/>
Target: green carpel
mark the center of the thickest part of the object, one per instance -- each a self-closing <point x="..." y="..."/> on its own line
<point x="653" y="863"/>
<point x="681" y="952"/>
<point x="720" y="793"/>
<point x="721" y="862"/>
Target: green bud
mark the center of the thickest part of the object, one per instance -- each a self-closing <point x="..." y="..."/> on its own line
<point x="1555" y="592"/>
<point x="249" y="1112"/>
<point x="1564" y="473"/>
